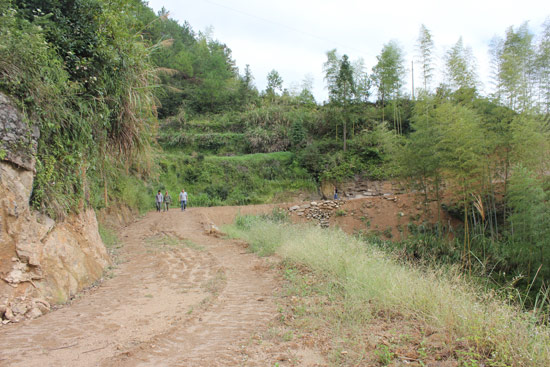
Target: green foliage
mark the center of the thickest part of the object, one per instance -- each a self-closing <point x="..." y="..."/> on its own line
<point x="108" y="236"/>
<point x="82" y="78"/>
<point x="425" y="48"/>
<point x="274" y="83"/>
<point x="530" y="222"/>
<point x="237" y="180"/>
<point x="460" y="71"/>
<point x="513" y="58"/>
<point x="297" y="134"/>
<point x="389" y="71"/>
<point x="384" y="354"/>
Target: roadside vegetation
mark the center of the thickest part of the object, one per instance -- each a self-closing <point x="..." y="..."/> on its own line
<point x="361" y="284"/>
<point x="234" y="180"/>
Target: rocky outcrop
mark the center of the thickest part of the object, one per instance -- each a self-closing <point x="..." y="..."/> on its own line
<point x="327" y="190"/>
<point x="18" y="140"/>
<point x="41" y="261"/>
<point x="362" y="187"/>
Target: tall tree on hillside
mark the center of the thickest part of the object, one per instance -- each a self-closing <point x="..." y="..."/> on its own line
<point x="460" y="69"/>
<point x="305" y="96"/>
<point x="388" y="73"/>
<point x="420" y="156"/>
<point x="339" y="74"/>
<point x="362" y="81"/>
<point x="543" y="68"/>
<point x="345" y="91"/>
<point x="515" y="66"/>
<point x="274" y="83"/>
<point x="217" y="76"/>
<point x="388" y="76"/>
<point x="425" y="48"/>
<point x="331" y="67"/>
<point x="247" y="88"/>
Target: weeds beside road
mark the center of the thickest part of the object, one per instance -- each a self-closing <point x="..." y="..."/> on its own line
<point x="348" y="287"/>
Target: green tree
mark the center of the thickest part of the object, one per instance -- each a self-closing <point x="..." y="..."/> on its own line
<point x="274" y="83"/>
<point x="388" y="73"/>
<point x="425" y="46"/>
<point x="529" y="221"/>
<point x="305" y="97"/>
<point x="420" y="157"/>
<point x="345" y="92"/>
<point x="513" y="59"/>
<point x="543" y="68"/>
<point x="339" y="75"/>
<point x="460" y="70"/>
<point x="331" y="68"/>
<point x="247" y="88"/>
<point x="362" y="81"/>
<point x="388" y="77"/>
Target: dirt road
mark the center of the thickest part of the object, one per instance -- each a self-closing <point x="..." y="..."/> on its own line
<point x="179" y="297"/>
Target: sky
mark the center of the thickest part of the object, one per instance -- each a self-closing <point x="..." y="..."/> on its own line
<point x="293" y="37"/>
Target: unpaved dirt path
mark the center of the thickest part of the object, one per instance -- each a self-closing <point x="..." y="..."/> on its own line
<point x="179" y="297"/>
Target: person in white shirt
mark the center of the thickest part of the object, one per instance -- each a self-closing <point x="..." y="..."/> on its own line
<point x="183" y="199"/>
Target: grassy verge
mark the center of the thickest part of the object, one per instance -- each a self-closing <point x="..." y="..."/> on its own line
<point x="109" y="237"/>
<point x="359" y="284"/>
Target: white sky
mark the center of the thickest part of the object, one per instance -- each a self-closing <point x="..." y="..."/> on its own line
<point x="293" y="37"/>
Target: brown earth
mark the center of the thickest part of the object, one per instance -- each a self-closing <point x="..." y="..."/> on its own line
<point x="388" y="215"/>
<point x="182" y="295"/>
<point x="179" y="297"/>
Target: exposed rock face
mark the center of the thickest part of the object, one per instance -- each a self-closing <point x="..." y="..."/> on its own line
<point x="327" y="190"/>
<point x="18" y="140"/>
<point x="40" y="261"/>
<point x="361" y="187"/>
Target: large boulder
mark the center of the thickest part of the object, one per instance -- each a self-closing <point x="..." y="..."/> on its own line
<point x="327" y="190"/>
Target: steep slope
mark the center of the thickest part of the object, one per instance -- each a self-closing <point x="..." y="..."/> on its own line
<point x="41" y="261"/>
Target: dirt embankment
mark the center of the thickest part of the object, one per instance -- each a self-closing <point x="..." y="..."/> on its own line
<point x="389" y="216"/>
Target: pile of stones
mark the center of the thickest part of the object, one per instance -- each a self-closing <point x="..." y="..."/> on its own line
<point x="319" y="211"/>
<point x="21" y="309"/>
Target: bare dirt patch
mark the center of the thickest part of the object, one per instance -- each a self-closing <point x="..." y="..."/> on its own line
<point x="179" y="298"/>
<point x="387" y="216"/>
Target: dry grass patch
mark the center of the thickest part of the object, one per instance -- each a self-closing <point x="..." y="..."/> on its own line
<point x="347" y="292"/>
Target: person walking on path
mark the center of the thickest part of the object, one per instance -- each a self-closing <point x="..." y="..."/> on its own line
<point x="183" y="200"/>
<point x="167" y="201"/>
<point x="158" y="200"/>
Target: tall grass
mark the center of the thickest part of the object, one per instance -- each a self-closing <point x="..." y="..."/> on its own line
<point x="497" y="331"/>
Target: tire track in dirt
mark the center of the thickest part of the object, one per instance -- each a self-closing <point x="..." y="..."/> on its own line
<point x="150" y="291"/>
<point x="179" y="298"/>
<point x="215" y="336"/>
